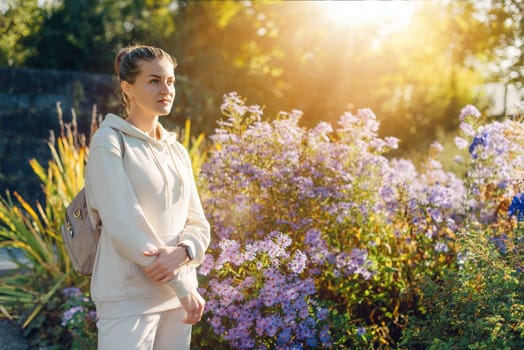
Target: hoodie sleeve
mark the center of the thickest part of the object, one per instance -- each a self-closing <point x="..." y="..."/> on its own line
<point x="111" y="195"/>
<point x="196" y="232"/>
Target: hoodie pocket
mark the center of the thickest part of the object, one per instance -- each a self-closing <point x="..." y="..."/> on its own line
<point x="132" y="271"/>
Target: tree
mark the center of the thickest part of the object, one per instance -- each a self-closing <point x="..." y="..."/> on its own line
<point x="504" y="37"/>
<point x="84" y="34"/>
<point x="290" y="54"/>
<point x="18" y="20"/>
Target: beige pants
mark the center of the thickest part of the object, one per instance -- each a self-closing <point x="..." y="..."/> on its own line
<point x="158" y="331"/>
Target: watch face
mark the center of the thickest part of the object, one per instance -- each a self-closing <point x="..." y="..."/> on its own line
<point x="189" y="251"/>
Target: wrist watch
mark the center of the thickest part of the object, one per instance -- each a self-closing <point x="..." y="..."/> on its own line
<point x="189" y="251"/>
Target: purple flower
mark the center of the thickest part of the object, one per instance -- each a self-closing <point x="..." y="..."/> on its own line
<point x="325" y="337"/>
<point x="233" y="104"/>
<point x="516" y="207"/>
<point x="392" y="142"/>
<point x="461" y="143"/>
<point x="298" y="262"/>
<point x="467" y="129"/>
<point x="267" y="325"/>
<point x="441" y="247"/>
<point x="458" y="159"/>
<point x="308" y="184"/>
<point x="284" y="336"/>
<point x="92" y="315"/>
<point x="501" y="243"/>
<point x="355" y="262"/>
<point x="469" y="110"/>
<point x="437" y="147"/>
<point x="230" y="252"/>
<point x="322" y="130"/>
<point x="283" y="240"/>
<point x="70" y="292"/>
<point x="206" y="265"/>
<point x="69" y="314"/>
<point x="216" y="323"/>
<point x="322" y="314"/>
<point x="313" y="237"/>
<point x="479" y="140"/>
<point x="462" y="258"/>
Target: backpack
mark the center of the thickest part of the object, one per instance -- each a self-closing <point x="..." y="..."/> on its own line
<point x="79" y="234"/>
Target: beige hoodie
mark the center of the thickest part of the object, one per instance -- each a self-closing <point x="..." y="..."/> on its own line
<point x="148" y="200"/>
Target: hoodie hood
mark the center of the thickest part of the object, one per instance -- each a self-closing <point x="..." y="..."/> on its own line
<point x="114" y="121"/>
<point x="155" y="146"/>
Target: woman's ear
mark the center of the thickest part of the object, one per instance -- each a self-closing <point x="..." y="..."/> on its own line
<point x="127" y="88"/>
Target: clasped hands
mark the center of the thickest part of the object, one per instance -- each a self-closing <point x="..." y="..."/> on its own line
<point x="164" y="268"/>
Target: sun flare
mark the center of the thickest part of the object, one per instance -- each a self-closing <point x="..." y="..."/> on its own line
<point x="357" y="13"/>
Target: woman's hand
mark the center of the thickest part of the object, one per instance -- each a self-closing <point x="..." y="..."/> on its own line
<point x="168" y="261"/>
<point x="193" y="305"/>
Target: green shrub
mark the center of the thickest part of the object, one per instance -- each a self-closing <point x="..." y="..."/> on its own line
<point x="30" y="294"/>
<point x="478" y="305"/>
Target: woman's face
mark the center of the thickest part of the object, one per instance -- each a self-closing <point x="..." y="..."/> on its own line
<point x="153" y="92"/>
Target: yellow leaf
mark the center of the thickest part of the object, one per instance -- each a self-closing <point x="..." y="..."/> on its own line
<point x="27" y="207"/>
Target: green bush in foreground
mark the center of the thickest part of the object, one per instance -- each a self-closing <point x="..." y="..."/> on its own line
<point x="478" y="306"/>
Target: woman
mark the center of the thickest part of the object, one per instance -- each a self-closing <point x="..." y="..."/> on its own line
<point x="139" y="183"/>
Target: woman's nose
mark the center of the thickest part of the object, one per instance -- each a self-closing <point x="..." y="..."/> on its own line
<point x="167" y="88"/>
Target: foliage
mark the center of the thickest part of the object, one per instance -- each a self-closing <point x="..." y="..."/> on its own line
<point x="322" y="240"/>
<point x="479" y="303"/>
<point x="504" y="34"/>
<point x="477" y="306"/>
<point x="88" y="32"/>
<point x="32" y="235"/>
<point x="267" y="50"/>
<point x="261" y="300"/>
<point x="196" y="147"/>
<point x="381" y="241"/>
<point x="363" y="228"/>
<point x="19" y="19"/>
<point x="79" y="318"/>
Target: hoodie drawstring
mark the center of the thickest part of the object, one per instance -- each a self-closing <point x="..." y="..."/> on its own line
<point x="163" y="173"/>
<point x="182" y="182"/>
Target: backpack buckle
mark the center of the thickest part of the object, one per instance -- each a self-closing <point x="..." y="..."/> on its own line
<point x="69" y="229"/>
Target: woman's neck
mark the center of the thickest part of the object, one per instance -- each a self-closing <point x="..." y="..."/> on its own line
<point x="147" y="125"/>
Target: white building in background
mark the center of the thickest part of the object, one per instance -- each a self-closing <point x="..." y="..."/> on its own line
<point x="505" y="99"/>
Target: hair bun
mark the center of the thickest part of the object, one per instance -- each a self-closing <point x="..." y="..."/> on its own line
<point x="118" y="58"/>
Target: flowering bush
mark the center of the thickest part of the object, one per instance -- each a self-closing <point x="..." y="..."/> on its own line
<point x="479" y="306"/>
<point x="324" y="242"/>
<point x="259" y="298"/>
<point x="480" y="303"/>
<point x="495" y="180"/>
<point x="79" y="318"/>
<point x="367" y="228"/>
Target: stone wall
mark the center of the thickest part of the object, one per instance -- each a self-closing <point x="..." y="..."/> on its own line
<point x="28" y="112"/>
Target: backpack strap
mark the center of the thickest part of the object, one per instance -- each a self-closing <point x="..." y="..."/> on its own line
<point x="123" y="150"/>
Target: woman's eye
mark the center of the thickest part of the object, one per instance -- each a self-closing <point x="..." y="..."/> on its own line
<point x="154" y="81"/>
